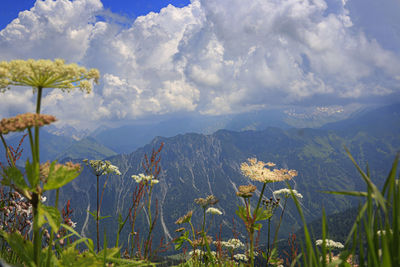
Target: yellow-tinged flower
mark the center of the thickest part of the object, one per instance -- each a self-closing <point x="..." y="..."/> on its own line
<point x="256" y="171"/>
<point x="204" y="202"/>
<point x="46" y="73"/>
<point x="246" y="191"/>
<point x="24" y="121"/>
<point x="180" y="230"/>
<point x="185" y="218"/>
<point x="45" y="168"/>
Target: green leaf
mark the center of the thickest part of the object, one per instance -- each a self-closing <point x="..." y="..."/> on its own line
<point x="59" y="177"/>
<point x="180" y="240"/>
<point x="94" y="215"/>
<point x="52" y="215"/>
<point x="348" y="193"/>
<point x="23" y="248"/>
<point x="257" y="226"/>
<point x="376" y="193"/>
<point x="12" y="175"/>
<point x="242" y="213"/>
<point x="263" y="214"/>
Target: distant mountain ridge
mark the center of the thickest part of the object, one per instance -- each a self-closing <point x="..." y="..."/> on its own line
<point x="195" y="165"/>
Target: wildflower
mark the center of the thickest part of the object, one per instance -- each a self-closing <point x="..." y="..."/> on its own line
<point x="256" y="171"/>
<point x="46" y="74"/>
<point x="145" y="178"/>
<point x="185" y="218"/>
<point x="246" y="191"/>
<point x="24" y="121"/>
<point x="383" y="232"/>
<point x="329" y="243"/>
<point x="196" y="252"/>
<point x="232" y="243"/>
<point x="213" y="211"/>
<point x="240" y="257"/>
<point x="100" y="167"/>
<point x="286" y="193"/>
<point x="204" y="202"/>
<point x="202" y="242"/>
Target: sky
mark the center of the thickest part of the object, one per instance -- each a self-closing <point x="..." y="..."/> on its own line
<point x="205" y="57"/>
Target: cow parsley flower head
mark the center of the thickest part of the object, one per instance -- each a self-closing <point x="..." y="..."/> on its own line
<point x="232" y="243"/>
<point x="329" y="243"/>
<point x="213" y="211"/>
<point x="246" y="191"/>
<point x="255" y="170"/>
<point x="286" y="193"/>
<point x="145" y="179"/>
<point x="241" y="257"/>
<point x="46" y="73"/>
<point x="100" y="167"/>
<point x="24" y="121"/>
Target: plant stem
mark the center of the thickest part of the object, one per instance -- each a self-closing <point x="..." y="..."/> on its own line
<point x="52" y="231"/>
<point x="36" y="229"/>
<point x="97" y="215"/>
<point x="279" y="224"/>
<point x="150" y="223"/>
<point x="7" y="150"/>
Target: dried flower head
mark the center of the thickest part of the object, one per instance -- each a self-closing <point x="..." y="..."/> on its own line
<point x="205" y="202"/>
<point x="180" y="230"/>
<point x="256" y="171"/>
<point x="246" y="191"/>
<point x="202" y="242"/>
<point x="45" y="73"/>
<point x="185" y="218"/>
<point x="24" y="121"/>
<point x="45" y="168"/>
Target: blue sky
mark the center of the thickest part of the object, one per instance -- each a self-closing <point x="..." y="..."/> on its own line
<point x="206" y="57"/>
<point x="130" y="8"/>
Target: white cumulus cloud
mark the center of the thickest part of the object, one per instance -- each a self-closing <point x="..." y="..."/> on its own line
<point x="210" y="57"/>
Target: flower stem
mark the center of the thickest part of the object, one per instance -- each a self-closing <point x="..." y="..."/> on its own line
<point x="97" y="215"/>
<point x="11" y="159"/>
<point x="52" y="232"/>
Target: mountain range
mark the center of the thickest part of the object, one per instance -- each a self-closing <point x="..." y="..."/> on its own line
<point x="196" y="165"/>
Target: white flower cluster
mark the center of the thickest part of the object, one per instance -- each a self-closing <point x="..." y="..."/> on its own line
<point x="197" y="252"/>
<point x="232" y="243"/>
<point x="286" y="193"/>
<point x="383" y="232"/>
<point x="102" y="167"/>
<point x="46" y="74"/>
<point x="214" y="211"/>
<point x="240" y="257"/>
<point x="145" y="178"/>
<point x="329" y="243"/>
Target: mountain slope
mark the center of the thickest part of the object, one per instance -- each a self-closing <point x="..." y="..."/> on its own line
<point x="195" y="165"/>
<point x="88" y="147"/>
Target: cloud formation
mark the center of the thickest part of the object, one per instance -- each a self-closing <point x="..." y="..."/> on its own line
<point x="210" y="57"/>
